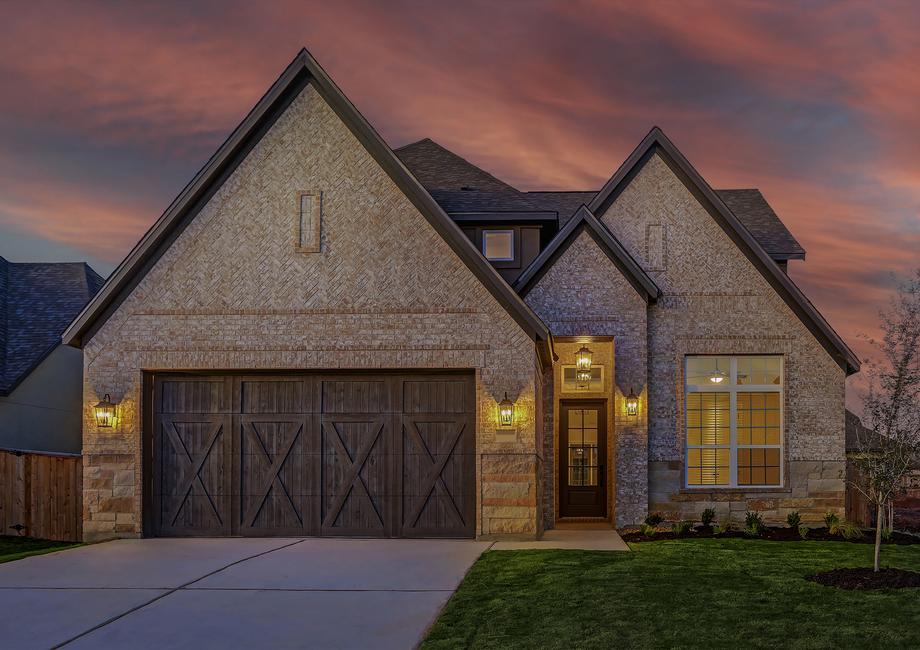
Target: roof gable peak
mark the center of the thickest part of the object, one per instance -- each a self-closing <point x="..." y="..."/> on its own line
<point x="584" y="220"/>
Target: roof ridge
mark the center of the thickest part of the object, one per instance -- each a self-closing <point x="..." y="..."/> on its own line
<point x="461" y="158"/>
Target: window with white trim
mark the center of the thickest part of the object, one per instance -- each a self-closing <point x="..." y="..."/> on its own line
<point x="498" y="245"/>
<point x="734" y="418"/>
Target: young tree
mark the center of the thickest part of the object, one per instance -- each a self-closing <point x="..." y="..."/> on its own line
<point x="889" y="448"/>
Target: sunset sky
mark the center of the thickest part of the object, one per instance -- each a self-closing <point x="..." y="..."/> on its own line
<point x="108" y="109"/>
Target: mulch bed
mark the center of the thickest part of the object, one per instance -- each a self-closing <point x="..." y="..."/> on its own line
<point x="773" y="534"/>
<point x="865" y="579"/>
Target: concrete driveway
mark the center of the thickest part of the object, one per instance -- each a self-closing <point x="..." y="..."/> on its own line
<point x="232" y="593"/>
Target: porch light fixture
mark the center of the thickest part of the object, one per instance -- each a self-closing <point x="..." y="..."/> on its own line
<point x="583" y="359"/>
<point x="717" y="377"/>
<point x="506" y="413"/>
<point x="105" y="412"/>
<point x="632" y="404"/>
<point x="582" y="379"/>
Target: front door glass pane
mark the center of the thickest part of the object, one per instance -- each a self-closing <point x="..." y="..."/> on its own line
<point x="583" y="453"/>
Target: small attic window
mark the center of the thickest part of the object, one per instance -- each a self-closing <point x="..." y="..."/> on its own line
<point x="498" y="245"/>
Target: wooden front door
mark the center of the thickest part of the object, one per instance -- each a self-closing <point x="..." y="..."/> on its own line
<point x="582" y="458"/>
<point x="370" y="455"/>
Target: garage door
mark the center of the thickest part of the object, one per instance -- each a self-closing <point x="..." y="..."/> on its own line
<point x="382" y="455"/>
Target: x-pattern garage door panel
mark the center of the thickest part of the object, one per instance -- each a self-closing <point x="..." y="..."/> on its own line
<point x="371" y="455"/>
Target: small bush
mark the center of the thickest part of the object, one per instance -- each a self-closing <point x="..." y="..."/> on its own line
<point x="708" y="516"/>
<point x="654" y="518"/>
<point x="794" y="519"/>
<point x="648" y="530"/>
<point x="803" y="531"/>
<point x="727" y="525"/>
<point x="681" y="528"/>
<point x="753" y="523"/>
<point x="831" y="520"/>
<point x="849" y="530"/>
<point x="887" y="534"/>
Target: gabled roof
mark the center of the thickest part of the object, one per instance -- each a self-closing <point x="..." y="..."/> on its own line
<point x="438" y="168"/>
<point x="37" y="301"/>
<point x="755" y="213"/>
<point x="584" y="220"/>
<point x="657" y="143"/>
<point x="302" y="70"/>
<point x="460" y="187"/>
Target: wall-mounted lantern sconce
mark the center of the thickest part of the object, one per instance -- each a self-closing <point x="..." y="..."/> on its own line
<point x="105" y="412"/>
<point x="632" y="404"/>
<point x="505" y="413"/>
<point x="583" y="359"/>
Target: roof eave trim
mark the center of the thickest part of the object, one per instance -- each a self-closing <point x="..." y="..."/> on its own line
<point x="583" y="219"/>
<point x="302" y="70"/>
<point x="657" y="141"/>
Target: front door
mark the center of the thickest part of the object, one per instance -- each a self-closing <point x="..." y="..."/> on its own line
<point x="582" y="452"/>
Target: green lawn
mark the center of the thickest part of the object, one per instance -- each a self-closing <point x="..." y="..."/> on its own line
<point x="682" y="593"/>
<point x="15" y="548"/>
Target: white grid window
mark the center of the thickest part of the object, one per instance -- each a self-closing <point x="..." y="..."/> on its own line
<point x="734" y="421"/>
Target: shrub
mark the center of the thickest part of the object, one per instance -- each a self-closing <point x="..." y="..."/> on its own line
<point x="727" y="525"/>
<point x="794" y="519"/>
<point x="753" y="523"/>
<point x="887" y="534"/>
<point x="648" y="530"/>
<point x="831" y="520"/>
<point x="654" y="518"/>
<point x="803" y="531"/>
<point x="681" y="528"/>
<point x="708" y="516"/>
<point x="849" y="530"/>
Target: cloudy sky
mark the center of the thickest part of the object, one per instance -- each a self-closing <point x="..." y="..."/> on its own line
<point x="107" y="109"/>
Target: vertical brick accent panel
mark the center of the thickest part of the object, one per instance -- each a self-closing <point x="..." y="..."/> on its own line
<point x="715" y="302"/>
<point x="385" y="291"/>
<point x="584" y="294"/>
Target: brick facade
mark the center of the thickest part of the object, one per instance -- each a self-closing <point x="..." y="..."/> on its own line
<point x="715" y="302"/>
<point x="584" y="294"/>
<point x="385" y="291"/>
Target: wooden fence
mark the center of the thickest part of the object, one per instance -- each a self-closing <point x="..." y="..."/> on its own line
<point x="41" y="495"/>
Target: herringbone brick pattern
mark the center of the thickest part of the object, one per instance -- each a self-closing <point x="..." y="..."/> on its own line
<point x="385" y="291"/>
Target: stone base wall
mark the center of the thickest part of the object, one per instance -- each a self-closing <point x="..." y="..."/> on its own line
<point x="509" y="495"/>
<point x="814" y="489"/>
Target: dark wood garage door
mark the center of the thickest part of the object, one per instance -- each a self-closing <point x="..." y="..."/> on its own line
<point x="383" y="455"/>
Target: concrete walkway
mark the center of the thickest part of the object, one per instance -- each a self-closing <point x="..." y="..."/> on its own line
<point x="232" y="593"/>
<point x="575" y="538"/>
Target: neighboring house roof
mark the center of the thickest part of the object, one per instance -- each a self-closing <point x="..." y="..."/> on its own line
<point x="302" y="70"/>
<point x="585" y="221"/>
<point x="657" y="143"/>
<point x="755" y="213"/>
<point x="37" y="301"/>
<point x="460" y="187"/>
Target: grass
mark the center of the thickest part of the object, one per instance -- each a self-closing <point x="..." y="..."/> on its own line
<point x="16" y="548"/>
<point x="678" y="594"/>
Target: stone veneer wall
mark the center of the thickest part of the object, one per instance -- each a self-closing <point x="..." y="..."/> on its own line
<point x="384" y="292"/>
<point x="715" y="302"/>
<point x="584" y="294"/>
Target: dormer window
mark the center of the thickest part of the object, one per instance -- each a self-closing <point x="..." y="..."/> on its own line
<point x="498" y="245"/>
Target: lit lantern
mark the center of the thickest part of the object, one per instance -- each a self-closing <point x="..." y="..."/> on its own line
<point x="506" y="413"/>
<point x="582" y="379"/>
<point x="583" y="358"/>
<point x="717" y="377"/>
<point x="105" y="412"/>
<point x="632" y="404"/>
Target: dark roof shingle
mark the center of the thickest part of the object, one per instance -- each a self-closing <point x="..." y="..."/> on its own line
<point x="37" y="302"/>
<point x="755" y="213"/>
<point x="460" y="186"/>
